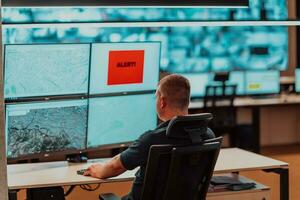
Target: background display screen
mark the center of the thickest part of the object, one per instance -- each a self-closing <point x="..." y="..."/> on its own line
<point x="262" y="82"/>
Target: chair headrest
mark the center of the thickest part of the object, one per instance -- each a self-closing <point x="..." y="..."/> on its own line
<point x="190" y="126"/>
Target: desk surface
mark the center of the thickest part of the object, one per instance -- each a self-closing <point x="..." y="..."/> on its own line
<point x="252" y="101"/>
<point x="236" y="160"/>
<point x="35" y="175"/>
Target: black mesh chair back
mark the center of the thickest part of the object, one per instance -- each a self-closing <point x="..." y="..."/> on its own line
<point x="182" y="172"/>
<point x="193" y="127"/>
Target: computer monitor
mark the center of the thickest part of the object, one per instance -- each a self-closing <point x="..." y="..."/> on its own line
<point x="38" y="70"/>
<point x="120" y="119"/>
<point x="235" y="78"/>
<point x="262" y="82"/>
<point x="40" y="129"/>
<point x="224" y="48"/>
<point x="124" y="67"/>
<point x="238" y="78"/>
<point x="198" y="83"/>
<point x="297" y="80"/>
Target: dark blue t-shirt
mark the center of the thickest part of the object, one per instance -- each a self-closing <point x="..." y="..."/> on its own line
<point x="137" y="154"/>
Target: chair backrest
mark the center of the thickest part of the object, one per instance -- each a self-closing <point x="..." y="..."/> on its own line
<point x="180" y="172"/>
<point x="219" y="100"/>
<point x="193" y="127"/>
<point x="220" y="92"/>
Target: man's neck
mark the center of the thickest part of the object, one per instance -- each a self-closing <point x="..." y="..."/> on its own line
<point x="175" y="114"/>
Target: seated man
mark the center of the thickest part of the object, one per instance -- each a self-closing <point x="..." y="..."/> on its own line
<point x="172" y="99"/>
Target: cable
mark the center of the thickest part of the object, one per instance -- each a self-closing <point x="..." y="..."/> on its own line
<point x="70" y="190"/>
<point x="89" y="188"/>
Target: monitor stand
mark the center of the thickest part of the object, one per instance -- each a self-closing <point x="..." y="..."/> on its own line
<point x="77" y="158"/>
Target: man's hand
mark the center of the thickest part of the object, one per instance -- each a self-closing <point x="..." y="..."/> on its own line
<point x="94" y="171"/>
<point x="110" y="169"/>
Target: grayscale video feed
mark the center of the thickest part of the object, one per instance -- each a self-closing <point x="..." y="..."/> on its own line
<point x="45" y="127"/>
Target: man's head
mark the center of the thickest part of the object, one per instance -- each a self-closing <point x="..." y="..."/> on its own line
<point x="172" y="97"/>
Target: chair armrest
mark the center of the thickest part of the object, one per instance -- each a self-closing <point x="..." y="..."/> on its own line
<point x="109" y="196"/>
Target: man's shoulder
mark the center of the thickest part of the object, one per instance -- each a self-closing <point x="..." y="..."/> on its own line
<point x="152" y="134"/>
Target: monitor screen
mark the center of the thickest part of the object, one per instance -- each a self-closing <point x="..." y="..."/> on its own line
<point x="297" y="80"/>
<point x="238" y="78"/>
<point x="120" y="119"/>
<point x="235" y="78"/>
<point x="198" y="83"/>
<point x="46" y="69"/>
<point x="257" y="10"/>
<point x="34" y="128"/>
<point x="127" y="3"/>
<point x="262" y="82"/>
<point x="124" y="67"/>
<point x="218" y="49"/>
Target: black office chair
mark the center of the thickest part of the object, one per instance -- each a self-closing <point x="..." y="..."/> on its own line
<point x="181" y="172"/>
<point x="219" y="100"/>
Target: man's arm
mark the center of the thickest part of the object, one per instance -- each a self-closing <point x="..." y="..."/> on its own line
<point x="112" y="168"/>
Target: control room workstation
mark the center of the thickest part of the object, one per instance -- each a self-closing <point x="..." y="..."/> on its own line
<point x="76" y="103"/>
<point x="80" y="87"/>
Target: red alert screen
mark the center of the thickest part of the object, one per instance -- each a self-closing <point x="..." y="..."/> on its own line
<point x="125" y="67"/>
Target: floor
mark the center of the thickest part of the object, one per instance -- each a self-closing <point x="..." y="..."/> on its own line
<point x="289" y="154"/>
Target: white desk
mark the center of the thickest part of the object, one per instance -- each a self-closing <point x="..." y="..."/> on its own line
<point x="25" y="176"/>
<point x="37" y="175"/>
<point x="238" y="160"/>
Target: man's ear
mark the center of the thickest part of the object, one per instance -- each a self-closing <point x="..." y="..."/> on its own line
<point x="163" y="102"/>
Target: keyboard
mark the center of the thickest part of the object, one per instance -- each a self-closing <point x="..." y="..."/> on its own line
<point x="81" y="172"/>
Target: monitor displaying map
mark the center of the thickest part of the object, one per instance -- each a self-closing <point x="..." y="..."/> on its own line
<point x="39" y="70"/>
<point x="34" y="128"/>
